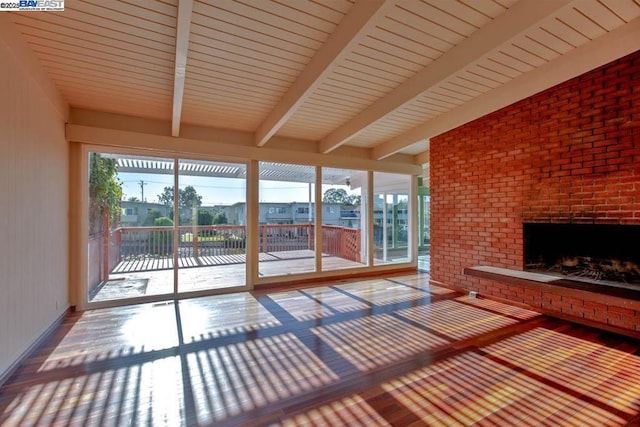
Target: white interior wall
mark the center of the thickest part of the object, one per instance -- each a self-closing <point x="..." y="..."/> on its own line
<point x="34" y="196"/>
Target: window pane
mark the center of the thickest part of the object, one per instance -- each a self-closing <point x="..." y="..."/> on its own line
<point x="344" y="219"/>
<point x="391" y="217"/>
<point x="212" y="233"/>
<point x="287" y="218"/>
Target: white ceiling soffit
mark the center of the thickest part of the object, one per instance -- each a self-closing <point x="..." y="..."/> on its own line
<point x="383" y="75"/>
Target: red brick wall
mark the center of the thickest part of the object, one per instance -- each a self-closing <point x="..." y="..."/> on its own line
<point x="568" y="154"/>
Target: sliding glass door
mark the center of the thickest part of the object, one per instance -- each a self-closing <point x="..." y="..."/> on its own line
<point x="160" y="227"/>
<point x="145" y="240"/>
<point x="391" y="218"/>
<point x="287" y="218"/>
<point x="212" y="226"/>
<point x="130" y="242"/>
<point x="344" y="219"/>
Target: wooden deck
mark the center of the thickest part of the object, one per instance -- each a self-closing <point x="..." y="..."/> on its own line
<point x="383" y="351"/>
<point x="140" y="279"/>
<point x="154" y="263"/>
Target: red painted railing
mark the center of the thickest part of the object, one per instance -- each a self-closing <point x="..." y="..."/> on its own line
<point x="220" y="240"/>
<point x="342" y="242"/>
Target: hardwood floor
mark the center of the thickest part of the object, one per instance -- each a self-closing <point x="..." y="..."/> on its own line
<point x="383" y="351"/>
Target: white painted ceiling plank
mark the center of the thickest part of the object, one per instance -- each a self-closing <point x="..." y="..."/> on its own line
<point x="420" y="35"/>
<point x="462" y="11"/>
<point x="71" y="60"/>
<point x="231" y="87"/>
<point x="507" y="26"/>
<point x="234" y="72"/>
<point x="560" y="30"/>
<point x="92" y="55"/>
<point x="55" y="40"/>
<point x="211" y="45"/>
<point x="55" y="22"/>
<point x="9" y="36"/>
<point x="355" y="25"/>
<point x="534" y="47"/>
<point x="486" y="7"/>
<point x="519" y="65"/>
<point x="421" y="52"/>
<point x="218" y="55"/>
<point x="523" y="55"/>
<point x="60" y="76"/>
<point x="378" y="55"/>
<point x="440" y="17"/>
<point x="597" y="12"/>
<point x="625" y="9"/>
<point x="395" y="50"/>
<point x="211" y="26"/>
<point x="218" y="12"/>
<point x="423" y="24"/>
<point x="183" y="29"/>
<point x="208" y="37"/>
<point x="142" y="11"/>
<point x="129" y="27"/>
<point x="323" y="9"/>
<point x="271" y="14"/>
<point x="582" y="24"/>
<point x="299" y="19"/>
<point x="607" y="48"/>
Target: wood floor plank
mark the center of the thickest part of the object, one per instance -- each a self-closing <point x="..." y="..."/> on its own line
<point x="387" y="351"/>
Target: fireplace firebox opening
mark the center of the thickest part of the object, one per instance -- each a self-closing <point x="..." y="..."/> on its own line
<point x="597" y="253"/>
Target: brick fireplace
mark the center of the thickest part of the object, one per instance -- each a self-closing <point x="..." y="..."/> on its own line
<point x="568" y="155"/>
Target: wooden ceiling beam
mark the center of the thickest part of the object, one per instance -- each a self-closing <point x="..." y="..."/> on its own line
<point x="354" y="27"/>
<point x="183" y="29"/>
<point x="609" y="47"/>
<point x="522" y="16"/>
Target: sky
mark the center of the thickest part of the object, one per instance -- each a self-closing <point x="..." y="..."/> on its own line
<point x="216" y="191"/>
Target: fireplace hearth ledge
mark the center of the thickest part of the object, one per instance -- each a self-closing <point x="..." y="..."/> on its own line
<point x="605" y="294"/>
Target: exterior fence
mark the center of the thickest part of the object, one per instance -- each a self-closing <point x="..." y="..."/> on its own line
<point x="135" y="243"/>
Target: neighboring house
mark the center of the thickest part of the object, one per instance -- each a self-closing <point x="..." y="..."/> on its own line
<point x="135" y="213"/>
<point x="289" y="213"/>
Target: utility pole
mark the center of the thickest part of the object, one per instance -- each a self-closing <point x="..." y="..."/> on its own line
<point x="142" y="184"/>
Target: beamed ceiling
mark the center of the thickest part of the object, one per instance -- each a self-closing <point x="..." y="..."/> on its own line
<point x="383" y="75"/>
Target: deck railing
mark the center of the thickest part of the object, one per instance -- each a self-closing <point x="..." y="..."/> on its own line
<point x="222" y="240"/>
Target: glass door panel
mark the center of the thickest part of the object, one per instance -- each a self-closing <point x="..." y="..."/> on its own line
<point x="212" y="226"/>
<point x="344" y="219"/>
<point x="287" y="217"/>
<point x="391" y="218"/>
<point x="423" y="229"/>
<point x="130" y="246"/>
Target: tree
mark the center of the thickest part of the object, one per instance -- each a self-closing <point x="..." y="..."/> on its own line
<point x="335" y="195"/>
<point x="354" y="199"/>
<point x="219" y="218"/>
<point x="166" y="198"/>
<point x="188" y="197"/>
<point x="340" y="196"/>
<point x="152" y="215"/>
<point x="205" y="217"/>
<point x="133" y="199"/>
<point x="105" y="192"/>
